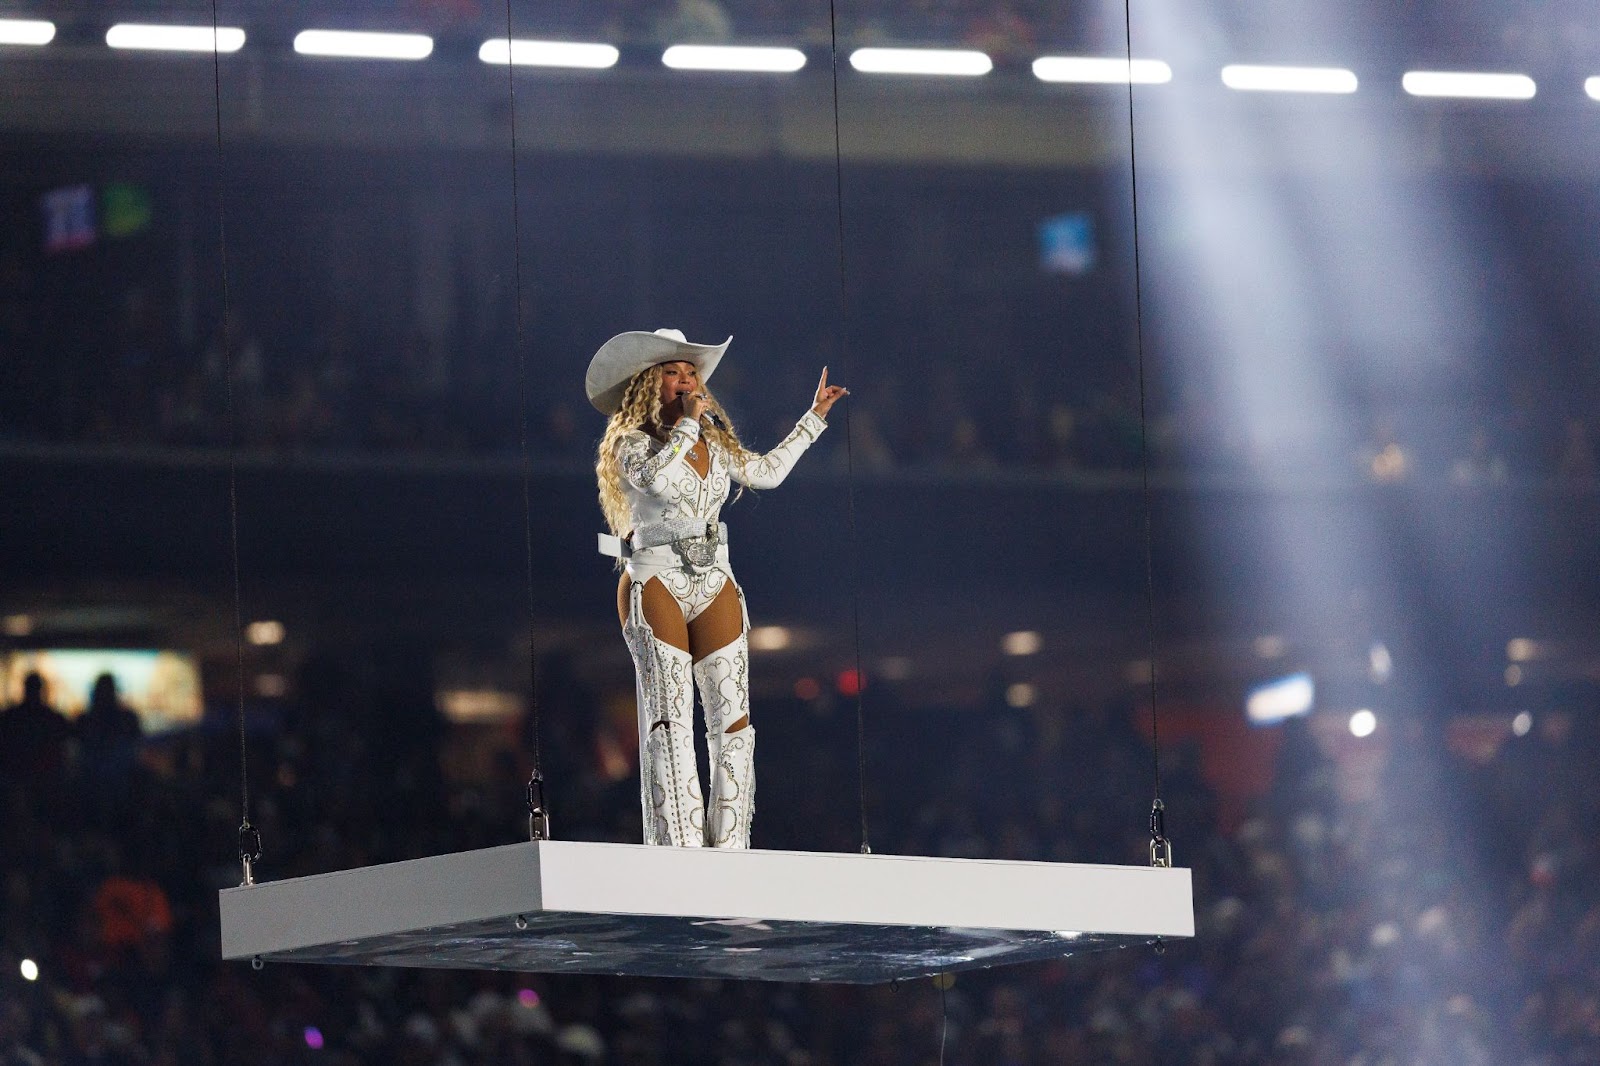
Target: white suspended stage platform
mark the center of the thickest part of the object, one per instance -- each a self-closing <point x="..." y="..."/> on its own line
<point x="573" y="907"/>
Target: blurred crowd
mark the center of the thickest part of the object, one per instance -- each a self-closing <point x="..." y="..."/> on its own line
<point x="1447" y="914"/>
<point x="350" y="395"/>
<point x="343" y="390"/>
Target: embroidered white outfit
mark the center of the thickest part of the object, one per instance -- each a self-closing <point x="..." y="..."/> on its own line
<point x="677" y="538"/>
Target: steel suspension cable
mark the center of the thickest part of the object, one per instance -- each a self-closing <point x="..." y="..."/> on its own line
<point x="1160" y="846"/>
<point x="849" y="451"/>
<point x="249" y="836"/>
<point x="538" y="812"/>
<point x="943" y="981"/>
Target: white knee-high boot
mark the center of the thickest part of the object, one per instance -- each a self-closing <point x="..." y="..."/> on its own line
<point x="673" y="805"/>
<point x="723" y="678"/>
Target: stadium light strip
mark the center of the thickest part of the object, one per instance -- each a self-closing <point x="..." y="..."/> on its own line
<point x="1100" y="70"/>
<point x="938" y="61"/>
<point x="1468" y="86"/>
<point x="498" y="51"/>
<point x="136" y="36"/>
<point x="26" y="31"/>
<point x="1246" y="78"/>
<point x="351" y="44"/>
<point x="1592" y="87"/>
<point x="730" y="57"/>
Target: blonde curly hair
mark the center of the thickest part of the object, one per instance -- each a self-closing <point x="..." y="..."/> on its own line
<point x="641" y="410"/>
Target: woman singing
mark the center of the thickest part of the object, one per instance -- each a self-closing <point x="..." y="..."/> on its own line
<point x="664" y="465"/>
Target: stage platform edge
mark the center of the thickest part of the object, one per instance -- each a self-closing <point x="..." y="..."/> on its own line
<point x="627" y="909"/>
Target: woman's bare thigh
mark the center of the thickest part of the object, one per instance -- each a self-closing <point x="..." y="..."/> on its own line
<point x="661" y="612"/>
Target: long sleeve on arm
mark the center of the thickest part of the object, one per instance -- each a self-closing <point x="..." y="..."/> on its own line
<point x="650" y="469"/>
<point x="768" y="471"/>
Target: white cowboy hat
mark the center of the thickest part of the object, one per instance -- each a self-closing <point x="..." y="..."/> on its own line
<point x="624" y="355"/>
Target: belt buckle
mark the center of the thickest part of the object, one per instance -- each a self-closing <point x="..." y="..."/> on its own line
<point x="700" y="551"/>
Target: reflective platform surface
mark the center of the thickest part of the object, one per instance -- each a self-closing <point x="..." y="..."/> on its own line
<point x="560" y="906"/>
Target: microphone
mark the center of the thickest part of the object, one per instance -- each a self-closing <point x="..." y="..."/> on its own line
<point x="712" y="416"/>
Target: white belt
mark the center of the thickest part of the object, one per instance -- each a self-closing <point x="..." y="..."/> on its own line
<point x="708" y="538"/>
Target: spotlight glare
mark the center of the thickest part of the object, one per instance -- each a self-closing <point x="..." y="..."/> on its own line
<point x="1522" y="724"/>
<point x="30" y="970"/>
<point x="1363" y="723"/>
<point x="1021" y="694"/>
<point x="1287" y="697"/>
<point x="895" y="668"/>
<point x="140" y="37"/>
<point x="1246" y="78"/>
<point x="498" y="52"/>
<point x="1464" y="85"/>
<point x="351" y="44"/>
<point x="27" y="31"/>
<point x="1380" y="665"/>
<point x="264" y="633"/>
<point x="1592" y="87"/>
<point x="476" y="706"/>
<point x="939" y="61"/>
<point x="1513" y="675"/>
<point x="1384" y="934"/>
<point x="1521" y="649"/>
<point x="272" y="686"/>
<point x="725" y="57"/>
<point x="1101" y="70"/>
<point x="1270" y="646"/>
<point x="1022" y="642"/>
<point x="1390" y="463"/>
<point x="770" y="638"/>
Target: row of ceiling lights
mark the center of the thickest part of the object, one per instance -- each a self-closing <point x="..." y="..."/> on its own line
<point x="923" y="61"/>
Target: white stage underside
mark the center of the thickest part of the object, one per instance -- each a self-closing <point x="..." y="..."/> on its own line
<point x="565" y="906"/>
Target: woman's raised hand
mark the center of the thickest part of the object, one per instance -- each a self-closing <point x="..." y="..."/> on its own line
<point x="827" y="395"/>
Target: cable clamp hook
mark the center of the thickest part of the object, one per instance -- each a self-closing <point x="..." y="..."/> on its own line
<point x="1160" y="846"/>
<point x="538" y="814"/>
<point x="249" y="851"/>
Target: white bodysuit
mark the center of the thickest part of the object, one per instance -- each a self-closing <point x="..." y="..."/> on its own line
<point x="674" y="512"/>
